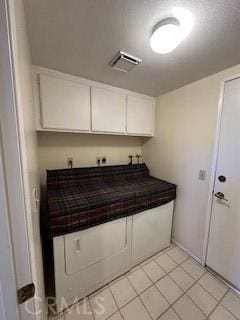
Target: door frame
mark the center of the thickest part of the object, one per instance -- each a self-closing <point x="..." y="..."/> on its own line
<point x="12" y="134"/>
<point x="214" y="166"/>
<point x="9" y="307"/>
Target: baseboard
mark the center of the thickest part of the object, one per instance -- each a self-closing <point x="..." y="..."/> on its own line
<point x="186" y="250"/>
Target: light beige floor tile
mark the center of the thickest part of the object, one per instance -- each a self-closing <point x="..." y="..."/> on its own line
<point x="135" y="310"/>
<point x="115" y="316"/>
<point x="221" y="314"/>
<point x="165" y="262"/>
<point x="193" y="268"/>
<point x="122" y="291"/>
<point x="182" y="278"/>
<point x="79" y="311"/>
<point x="56" y="317"/>
<point x="159" y="254"/>
<point x="169" y="289"/>
<point x="169" y="315"/>
<point x="213" y="286"/>
<point x="146" y="262"/>
<point x="154" y="271"/>
<point x="133" y="269"/>
<point x="172" y="245"/>
<point x="202" y="298"/>
<point x="103" y="304"/>
<point x="178" y="255"/>
<point x="232" y="302"/>
<point x="118" y="278"/>
<point x="164" y="251"/>
<point x="187" y="310"/>
<point x="155" y="303"/>
<point x="98" y="291"/>
<point x="139" y="280"/>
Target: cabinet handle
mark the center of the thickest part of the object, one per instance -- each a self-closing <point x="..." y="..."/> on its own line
<point x="77" y="246"/>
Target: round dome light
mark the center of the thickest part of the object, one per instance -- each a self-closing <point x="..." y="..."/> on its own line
<point x="168" y="33"/>
<point x="166" y="36"/>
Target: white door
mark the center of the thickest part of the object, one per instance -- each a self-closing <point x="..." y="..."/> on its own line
<point x="108" y="111"/>
<point x="65" y="104"/>
<point x="224" y="241"/>
<point x="140" y="115"/>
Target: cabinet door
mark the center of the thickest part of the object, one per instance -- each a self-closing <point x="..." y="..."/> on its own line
<point x="151" y="232"/>
<point x="108" y="111"/>
<point x="65" y="104"/>
<point x="140" y="115"/>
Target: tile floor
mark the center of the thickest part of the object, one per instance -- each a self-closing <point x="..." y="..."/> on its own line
<point x="168" y="286"/>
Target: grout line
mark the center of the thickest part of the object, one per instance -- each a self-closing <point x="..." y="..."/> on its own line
<point x="226" y="307"/>
<point x="118" y="309"/>
<point x="206" y="289"/>
<point x="204" y="273"/>
<point x="184" y="293"/>
<point x="145" y="306"/>
<point x="159" y="318"/>
<point x="179" y="263"/>
<point x="153" y="283"/>
<point x="219" y="302"/>
<point x="197" y="304"/>
<point x="138" y="295"/>
<point x="197" y="282"/>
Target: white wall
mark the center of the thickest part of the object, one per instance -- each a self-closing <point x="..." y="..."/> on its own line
<point x="28" y="140"/>
<point x="55" y="147"/>
<point x="183" y="144"/>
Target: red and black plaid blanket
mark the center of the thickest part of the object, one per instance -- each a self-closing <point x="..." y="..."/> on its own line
<point x="80" y="198"/>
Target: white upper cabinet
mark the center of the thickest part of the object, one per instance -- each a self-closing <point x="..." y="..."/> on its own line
<point x="140" y="115"/>
<point x="67" y="103"/>
<point x="108" y="111"/>
<point x="64" y="104"/>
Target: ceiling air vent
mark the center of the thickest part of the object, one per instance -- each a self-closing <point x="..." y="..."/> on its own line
<point x="125" y="62"/>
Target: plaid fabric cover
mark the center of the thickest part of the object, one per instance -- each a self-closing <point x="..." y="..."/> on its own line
<point x="80" y="198"/>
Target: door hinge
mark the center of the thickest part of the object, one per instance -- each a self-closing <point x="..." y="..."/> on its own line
<point x="25" y="293"/>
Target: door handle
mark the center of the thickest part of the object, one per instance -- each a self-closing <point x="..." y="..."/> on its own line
<point x="220" y="196"/>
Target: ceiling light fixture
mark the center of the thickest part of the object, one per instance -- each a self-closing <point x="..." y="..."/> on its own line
<point x="169" y="32"/>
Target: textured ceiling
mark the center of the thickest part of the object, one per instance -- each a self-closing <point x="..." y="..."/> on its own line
<point x="80" y="37"/>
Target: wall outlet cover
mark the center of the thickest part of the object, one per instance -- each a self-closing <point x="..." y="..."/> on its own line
<point x="202" y="175"/>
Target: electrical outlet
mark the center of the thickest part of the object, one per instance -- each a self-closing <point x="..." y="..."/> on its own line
<point x="70" y="162"/>
<point x="202" y="175"/>
<point x="104" y="160"/>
